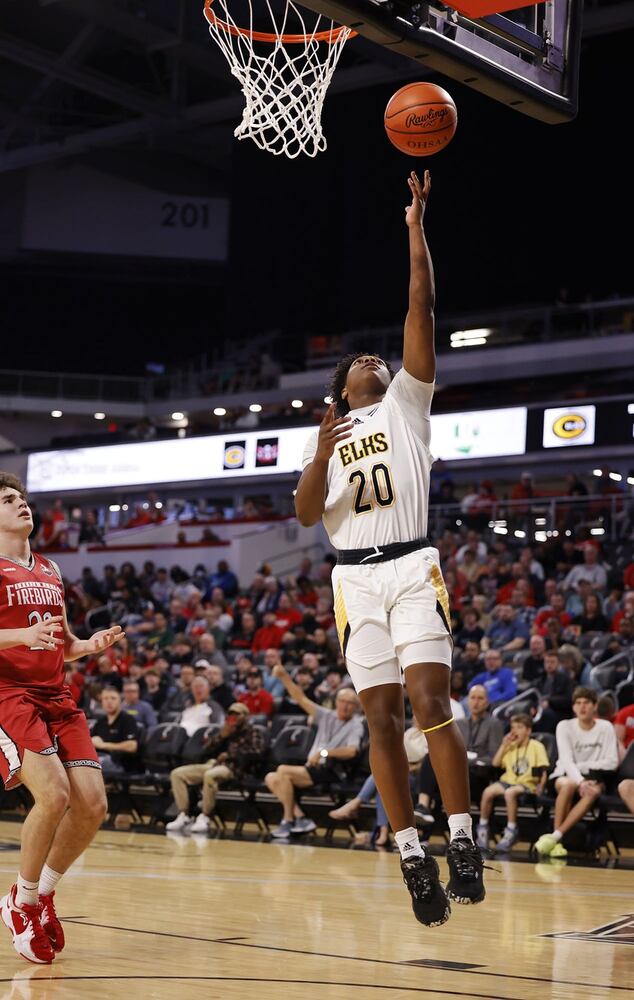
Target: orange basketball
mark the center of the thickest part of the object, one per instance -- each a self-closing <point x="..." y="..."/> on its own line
<point x="420" y="119"/>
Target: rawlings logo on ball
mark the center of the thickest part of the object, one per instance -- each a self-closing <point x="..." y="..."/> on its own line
<point x="431" y="117"/>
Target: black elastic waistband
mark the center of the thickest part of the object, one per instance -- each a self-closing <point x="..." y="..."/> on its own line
<point x="380" y="553"/>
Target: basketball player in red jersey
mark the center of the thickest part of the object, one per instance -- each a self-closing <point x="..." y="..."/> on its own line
<point x="44" y="739"/>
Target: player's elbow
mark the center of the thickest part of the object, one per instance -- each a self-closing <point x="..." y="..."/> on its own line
<point x="306" y="517"/>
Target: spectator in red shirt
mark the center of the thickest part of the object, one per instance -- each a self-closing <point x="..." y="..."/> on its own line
<point x="557" y="609"/>
<point x="628" y="576"/>
<point x="287" y="615"/>
<point x="518" y="574"/>
<point x="242" y="638"/>
<point x="626" y="612"/>
<point x="624" y="726"/>
<point x="256" y="698"/>
<point x="269" y="636"/>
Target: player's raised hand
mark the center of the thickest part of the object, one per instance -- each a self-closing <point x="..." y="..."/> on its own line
<point x="101" y="640"/>
<point x="332" y="430"/>
<point x="420" y="193"/>
<point x="47" y="634"/>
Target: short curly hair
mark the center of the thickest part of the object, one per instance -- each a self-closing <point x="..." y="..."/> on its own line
<point x="338" y="380"/>
<point x="10" y="482"/>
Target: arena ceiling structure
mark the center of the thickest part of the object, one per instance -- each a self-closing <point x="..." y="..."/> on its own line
<point x="82" y="77"/>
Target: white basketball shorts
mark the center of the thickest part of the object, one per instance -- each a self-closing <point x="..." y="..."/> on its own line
<point x="390" y="615"/>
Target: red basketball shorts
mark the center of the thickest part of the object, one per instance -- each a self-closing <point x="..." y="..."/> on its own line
<point x="45" y="724"/>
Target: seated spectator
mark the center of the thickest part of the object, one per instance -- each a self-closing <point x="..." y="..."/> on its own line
<point x="498" y="681"/>
<point x="555" y="688"/>
<point x="154" y="691"/>
<point x="303" y="679"/>
<point x="471" y="630"/>
<point x="555" y="609"/>
<point x="506" y="632"/>
<point x="621" y="640"/>
<point x="269" y="635"/>
<point x="160" y="635"/>
<point x="296" y="643"/>
<point x="325" y="694"/>
<point x="242" y="667"/>
<point x="588" y="756"/>
<point x="467" y="660"/>
<point x="115" y="736"/>
<point x="627" y="611"/>
<point x="591" y="570"/>
<point x="624" y="727"/>
<point x="592" y="619"/>
<point x="219" y="689"/>
<point x="287" y="615"/>
<point x="533" y="665"/>
<point x="520" y="757"/>
<point x="338" y="737"/>
<point x="162" y="588"/>
<point x="180" y="696"/>
<point x="231" y="750"/>
<point x="271" y="683"/>
<point x="90" y="533"/>
<point x="224" y="578"/>
<point x="269" y="599"/>
<point x="206" y="649"/>
<point x="142" y="711"/>
<point x="482" y="735"/>
<point x="75" y="681"/>
<point x="201" y="711"/>
<point x="242" y="637"/>
<point x="107" y="675"/>
<point x="256" y="697"/>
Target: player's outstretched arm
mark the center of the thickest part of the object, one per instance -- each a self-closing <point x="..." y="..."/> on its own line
<point x="419" y="356"/>
<point x="310" y="497"/>
<point x="294" y="690"/>
<point x="75" y="649"/>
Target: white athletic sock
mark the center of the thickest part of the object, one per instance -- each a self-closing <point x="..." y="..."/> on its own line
<point x="557" y="835"/>
<point x="408" y="843"/>
<point x="27" y="892"/>
<point x="484" y="823"/>
<point x="48" y="881"/>
<point x="460" y="826"/>
<point x="512" y="826"/>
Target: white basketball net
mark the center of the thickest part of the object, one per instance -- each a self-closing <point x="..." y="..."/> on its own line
<point x="284" y="83"/>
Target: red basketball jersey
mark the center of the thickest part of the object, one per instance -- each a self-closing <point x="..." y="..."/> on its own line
<point x="27" y="596"/>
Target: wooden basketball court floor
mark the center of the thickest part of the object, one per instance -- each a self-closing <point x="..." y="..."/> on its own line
<point x="159" y="917"/>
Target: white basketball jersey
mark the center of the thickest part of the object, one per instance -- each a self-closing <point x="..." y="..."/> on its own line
<point x="378" y="479"/>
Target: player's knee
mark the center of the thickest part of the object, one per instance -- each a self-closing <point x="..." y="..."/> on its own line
<point x="432" y="709"/>
<point x="96" y="807"/>
<point x="385" y="727"/>
<point x="56" y="797"/>
<point x="270" y="780"/>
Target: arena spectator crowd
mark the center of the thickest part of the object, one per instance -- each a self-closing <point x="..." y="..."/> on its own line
<point x="533" y="626"/>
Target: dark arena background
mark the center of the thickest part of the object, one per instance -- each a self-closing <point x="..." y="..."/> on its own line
<point x="172" y="304"/>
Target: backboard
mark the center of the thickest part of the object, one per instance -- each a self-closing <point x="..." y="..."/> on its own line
<point x="527" y="59"/>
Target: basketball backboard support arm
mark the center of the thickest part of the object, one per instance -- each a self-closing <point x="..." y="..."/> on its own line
<point x="531" y="69"/>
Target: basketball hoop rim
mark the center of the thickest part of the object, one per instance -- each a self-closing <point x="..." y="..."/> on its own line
<point x="332" y="36"/>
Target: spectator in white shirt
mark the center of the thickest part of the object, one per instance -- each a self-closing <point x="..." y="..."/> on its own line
<point x="202" y="712"/>
<point x="591" y="570"/>
<point x="587" y="746"/>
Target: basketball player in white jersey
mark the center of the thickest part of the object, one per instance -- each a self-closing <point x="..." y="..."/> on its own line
<point x="366" y="472"/>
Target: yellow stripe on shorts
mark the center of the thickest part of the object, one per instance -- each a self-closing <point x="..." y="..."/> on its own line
<point x="441" y="596"/>
<point x="341" y="619"/>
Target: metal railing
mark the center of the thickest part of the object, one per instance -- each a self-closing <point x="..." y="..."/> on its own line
<point x="510" y="326"/>
<point x="608" y="516"/>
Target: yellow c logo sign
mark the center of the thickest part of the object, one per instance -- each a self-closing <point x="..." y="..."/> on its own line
<point x="234" y="457"/>
<point x="570" y="425"/>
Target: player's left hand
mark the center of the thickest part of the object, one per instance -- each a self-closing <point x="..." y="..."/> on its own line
<point x="101" y="640"/>
<point x="316" y="760"/>
<point x="420" y="193"/>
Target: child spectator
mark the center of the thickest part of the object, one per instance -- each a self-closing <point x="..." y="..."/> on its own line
<point x="520" y="757"/>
